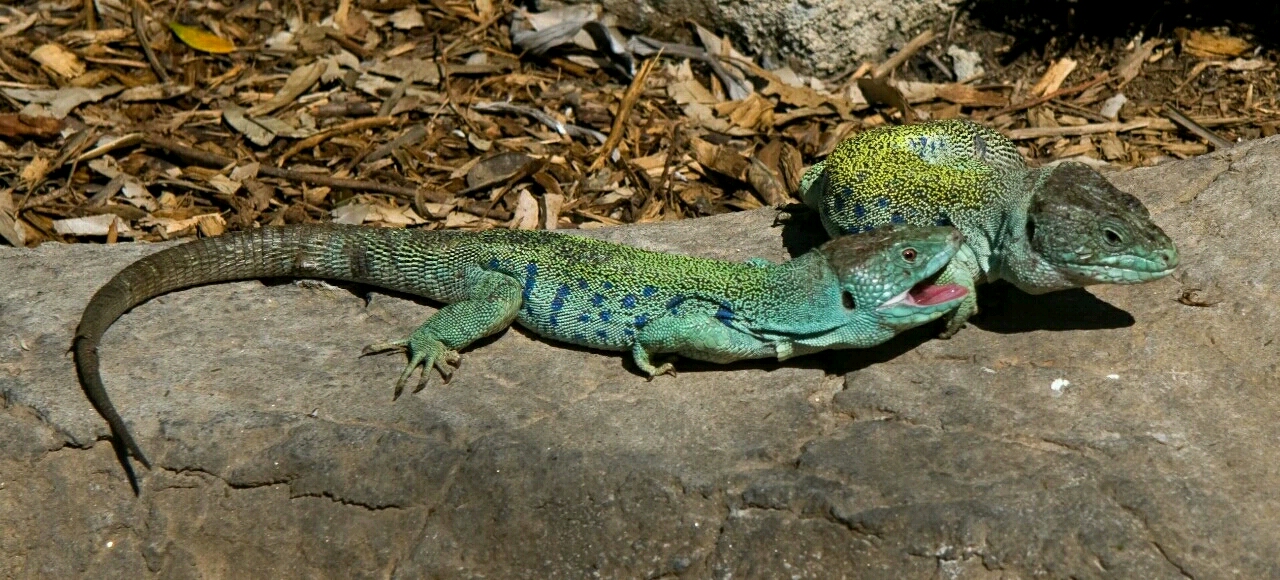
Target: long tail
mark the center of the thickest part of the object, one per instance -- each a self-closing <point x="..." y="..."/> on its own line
<point x="326" y="251"/>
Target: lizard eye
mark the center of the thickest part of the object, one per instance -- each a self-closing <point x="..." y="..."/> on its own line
<point x="847" y="298"/>
<point x="909" y="254"/>
<point x="1113" y="237"/>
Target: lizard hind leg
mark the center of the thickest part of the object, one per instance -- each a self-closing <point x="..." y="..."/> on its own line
<point x="490" y="306"/>
<point x="641" y="358"/>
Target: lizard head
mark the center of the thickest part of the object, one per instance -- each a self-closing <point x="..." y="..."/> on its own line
<point x="892" y="273"/>
<point x="1081" y="230"/>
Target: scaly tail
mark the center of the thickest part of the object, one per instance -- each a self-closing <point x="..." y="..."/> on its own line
<point x="335" y="252"/>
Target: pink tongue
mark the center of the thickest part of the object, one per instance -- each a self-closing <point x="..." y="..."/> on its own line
<point x="929" y="294"/>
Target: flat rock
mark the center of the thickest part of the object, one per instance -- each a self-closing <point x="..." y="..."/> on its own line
<point x="1123" y="432"/>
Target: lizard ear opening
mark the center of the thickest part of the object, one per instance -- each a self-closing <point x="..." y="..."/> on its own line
<point x="1031" y="229"/>
<point x="847" y="298"/>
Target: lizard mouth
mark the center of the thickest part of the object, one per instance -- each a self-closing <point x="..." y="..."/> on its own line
<point x="927" y="293"/>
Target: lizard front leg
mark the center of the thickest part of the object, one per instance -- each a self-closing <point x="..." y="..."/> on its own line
<point x="490" y="306"/>
<point x="697" y="334"/>
<point x="964" y="271"/>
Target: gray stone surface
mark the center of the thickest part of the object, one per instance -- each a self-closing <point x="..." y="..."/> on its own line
<point x="815" y="36"/>
<point x="280" y="453"/>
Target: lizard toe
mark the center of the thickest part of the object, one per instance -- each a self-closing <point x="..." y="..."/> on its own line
<point x="381" y="347"/>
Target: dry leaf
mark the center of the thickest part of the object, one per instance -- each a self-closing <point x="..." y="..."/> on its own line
<point x="61" y="101"/>
<point x="201" y="39"/>
<point x="526" y="214"/>
<point x="1129" y="68"/>
<point x="97" y="225"/>
<point x="806" y="97"/>
<point x="176" y="225"/>
<point x="34" y="172"/>
<point x="154" y="92"/>
<point x="223" y="183"/>
<point x="301" y="79"/>
<point x="10" y="228"/>
<point x="720" y="160"/>
<point x="1250" y="64"/>
<point x="407" y="19"/>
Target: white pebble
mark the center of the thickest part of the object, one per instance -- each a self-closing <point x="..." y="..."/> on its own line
<point x="1111" y="107"/>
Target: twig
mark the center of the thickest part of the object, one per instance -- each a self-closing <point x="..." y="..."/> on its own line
<point x="629" y="99"/>
<point x="409" y="193"/>
<point x="139" y="29"/>
<point x="321" y="137"/>
<point x="1080" y="88"/>
<point x="1075" y="130"/>
<point x="913" y="46"/>
<point x="208" y="159"/>
<point x="345" y="42"/>
<point x="541" y="117"/>
<point x="1203" y="132"/>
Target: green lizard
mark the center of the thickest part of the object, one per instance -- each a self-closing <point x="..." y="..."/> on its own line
<point x="852" y="292"/>
<point x="1042" y="229"/>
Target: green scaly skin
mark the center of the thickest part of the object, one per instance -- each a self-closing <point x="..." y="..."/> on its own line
<point x="1042" y="229"/>
<point x="852" y="292"/>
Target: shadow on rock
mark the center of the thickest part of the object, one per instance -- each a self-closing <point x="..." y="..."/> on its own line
<point x="801" y="229"/>
<point x="835" y="362"/>
<point x="1004" y="309"/>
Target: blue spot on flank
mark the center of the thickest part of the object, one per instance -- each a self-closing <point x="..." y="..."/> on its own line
<point x="942" y="220"/>
<point x="859" y="211"/>
<point x="920" y="144"/>
<point x="883" y="202"/>
<point x="597" y="300"/>
<point x="578" y="336"/>
<point x="629" y="301"/>
<point x="857" y="229"/>
<point x="648" y="291"/>
<point x="642" y="320"/>
<point x="530" y="278"/>
<point x="557" y="303"/>
<point x="493" y="264"/>
<point x="601" y="334"/>
<point x="607" y="285"/>
<point x="724" y="314"/>
<point x="584" y="318"/>
<point x="675" y="301"/>
<point x="553" y="321"/>
<point x="838" y="201"/>
<point x="897" y="218"/>
<point x="582" y="284"/>
<point x="605" y="315"/>
<point x="628" y="332"/>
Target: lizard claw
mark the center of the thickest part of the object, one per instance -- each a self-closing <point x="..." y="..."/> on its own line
<point x="446" y="363"/>
<point x="664" y="369"/>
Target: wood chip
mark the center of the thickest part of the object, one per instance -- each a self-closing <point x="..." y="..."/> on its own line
<point x="1053" y="78"/>
<point x="1038" y="132"/>
<point x="58" y="60"/>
